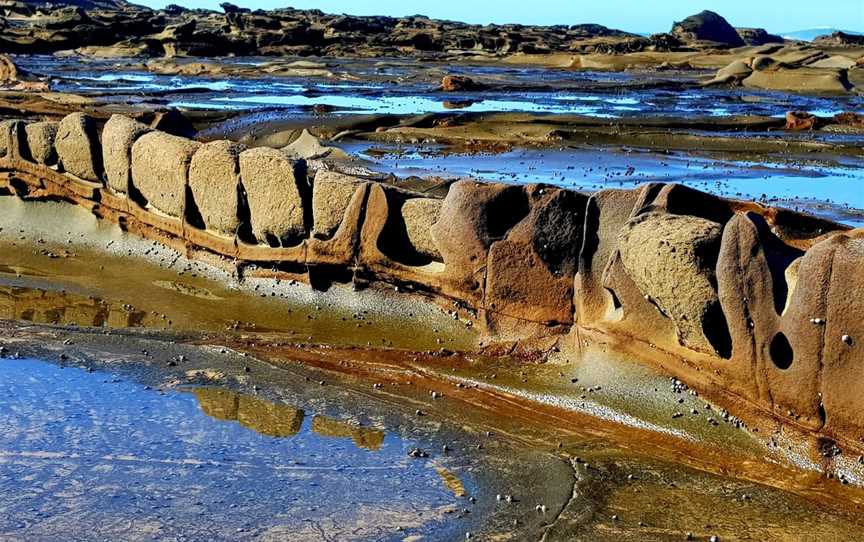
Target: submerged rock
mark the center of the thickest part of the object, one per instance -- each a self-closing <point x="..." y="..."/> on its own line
<point x="460" y="83"/>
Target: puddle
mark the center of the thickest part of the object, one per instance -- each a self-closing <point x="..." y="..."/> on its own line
<point x="93" y="453"/>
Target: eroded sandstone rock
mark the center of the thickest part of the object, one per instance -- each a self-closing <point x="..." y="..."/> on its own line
<point x="420" y="215"/>
<point x="11" y="137"/>
<point x="460" y="83"/>
<point x="800" y="80"/>
<point x="530" y="273"/>
<point x="40" y="142"/>
<point x="118" y="136"/>
<point x="214" y="180"/>
<point x="331" y="194"/>
<point x="801" y="120"/>
<point x="472" y="216"/>
<point x="78" y="147"/>
<point x="754" y="270"/>
<point x="274" y="195"/>
<point x="160" y="168"/>
<point x="671" y="258"/>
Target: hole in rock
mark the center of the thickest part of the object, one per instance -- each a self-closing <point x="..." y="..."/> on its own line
<point x="394" y="241"/>
<point x="244" y="217"/>
<point x="781" y="352"/>
<point x="193" y="214"/>
<point x="505" y="211"/>
<point x="716" y="331"/>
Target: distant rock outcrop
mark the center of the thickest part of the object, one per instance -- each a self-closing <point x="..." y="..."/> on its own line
<point x="840" y="39"/>
<point x="707" y="27"/>
<point x="758" y="36"/>
<point x="115" y="28"/>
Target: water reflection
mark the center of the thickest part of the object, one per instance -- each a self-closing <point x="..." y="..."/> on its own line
<point x="63" y="308"/>
<point x="280" y="420"/>
<point x="362" y="437"/>
<point x="270" y="419"/>
<point x="107" y="459"/>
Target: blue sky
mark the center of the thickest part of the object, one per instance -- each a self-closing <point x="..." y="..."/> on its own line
<point x="632" y="15"/>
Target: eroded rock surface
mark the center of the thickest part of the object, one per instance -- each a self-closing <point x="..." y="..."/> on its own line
<point x="40" y="142"/>
<point x="160" y="168"/>
<point x="671" y="258"/>
<point x="78" y="147"/>
<point x="759" y="301"/>
<point x="118" y="136"/>
<point x="273" y="193"/>
<point x="214" y="180"/>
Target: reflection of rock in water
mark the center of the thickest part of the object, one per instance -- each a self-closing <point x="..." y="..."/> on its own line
<point x="50" y="307"/>
<point x="278" y="420"/>
<point x="270" y="419"/>
<point x="363" y="437"/>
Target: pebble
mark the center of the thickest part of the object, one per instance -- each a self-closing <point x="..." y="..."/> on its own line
<point x="847" y="340"/>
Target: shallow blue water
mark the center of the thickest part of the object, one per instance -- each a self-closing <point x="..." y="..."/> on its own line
<point x="110" y="459"/>
<point x="398" y="87"/>
<point x="823" y="190"/>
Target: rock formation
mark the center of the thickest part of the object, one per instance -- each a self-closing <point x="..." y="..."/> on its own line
<point x="707" y="26"/>
<point x="755" y="301"/>
<point x="113" y="29"/>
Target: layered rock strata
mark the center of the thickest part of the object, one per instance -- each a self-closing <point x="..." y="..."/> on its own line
<point x="759" y="303"/>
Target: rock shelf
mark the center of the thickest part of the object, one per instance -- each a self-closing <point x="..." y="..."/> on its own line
<point x="749" y="301"/>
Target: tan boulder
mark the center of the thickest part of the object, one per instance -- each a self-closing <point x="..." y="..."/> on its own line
<point x="419" y="216"/>
<point x="671" y="258"/>
<point x="274" y="196"/>
<point x="8" y="70"/>
<point x="118" y="137"/>
<point x="309" y="147"/>
<point x="78" y="147"/>
<point x="11" y="135"/>
<point x="733" y="73"/>
<point x="160" y="168"/>
<point x="331" y="194"/>
<point x="836" y="62"/>
<point x="800" y="80"/>
<point x="849" y="118"/>
<point x="214" y="180"/>
<point x="40" y="142"/>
